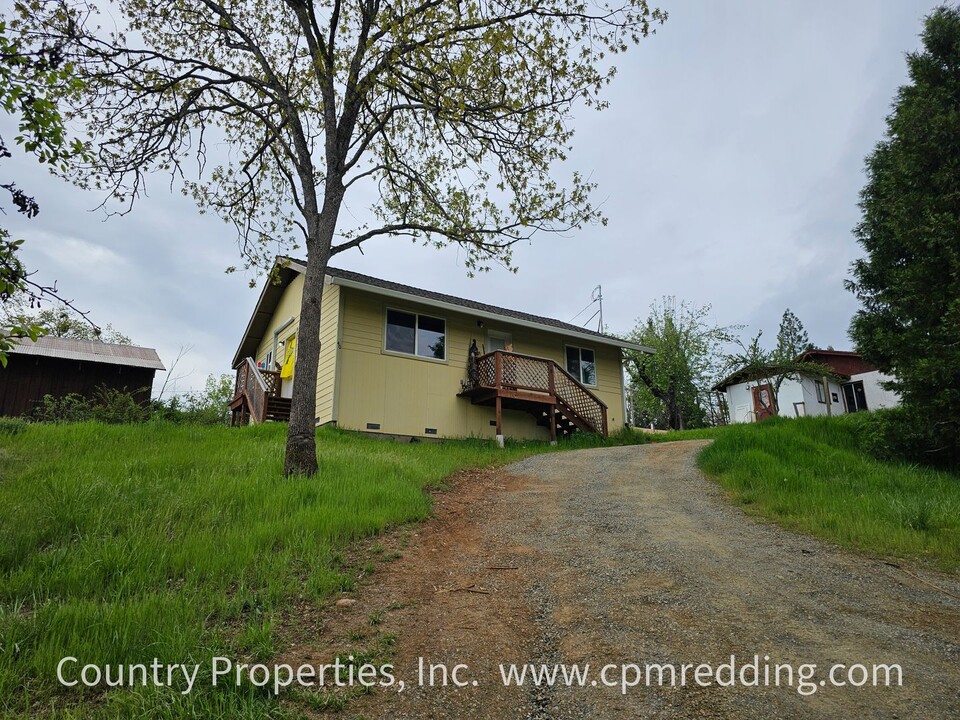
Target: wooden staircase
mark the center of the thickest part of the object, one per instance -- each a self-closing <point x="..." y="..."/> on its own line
<point x="256" y="396"/>
<point x="278" y="409"/>
<point x="539" y="386"/>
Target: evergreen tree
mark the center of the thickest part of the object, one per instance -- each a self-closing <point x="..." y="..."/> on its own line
<point x="792" y="339"/>
<point x="909" y="280"/>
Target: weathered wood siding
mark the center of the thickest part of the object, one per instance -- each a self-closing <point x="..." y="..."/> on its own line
<point x="27" y="378"/>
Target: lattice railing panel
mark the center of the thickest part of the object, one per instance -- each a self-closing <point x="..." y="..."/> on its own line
<point x="525" y="372"/>
<point x="272" y="381"/>
<point x="241" y="382"/>
<point x="579" y="400"/>
<point x="486" y="375"/>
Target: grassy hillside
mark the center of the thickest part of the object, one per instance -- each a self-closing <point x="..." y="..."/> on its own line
<point x="811" y="474"/>
<point x="125" y="543"/>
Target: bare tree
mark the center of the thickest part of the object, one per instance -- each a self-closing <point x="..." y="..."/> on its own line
<point x="453" y="114"/>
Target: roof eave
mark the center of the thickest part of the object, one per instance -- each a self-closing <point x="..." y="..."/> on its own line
<point x="486" y="315"/>
<point x="258" y="308"/>
<point x="143" y="363"/>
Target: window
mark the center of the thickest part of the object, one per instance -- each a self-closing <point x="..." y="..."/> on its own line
<point x="497" y="340"/>
<point x="582" y="364"/>
<point x="855" y="396"/>
<point x="820" y="396"/>
<point x="413" y="334"/>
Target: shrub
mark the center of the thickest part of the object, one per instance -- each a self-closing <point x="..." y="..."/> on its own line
<point x="12" y="426"/>
<point x="69" y="408"/>
<point x="117" y="407"/>
<point x="107" y="405"/>
<point x="905" y="434"/>
<point x="204" y="407"/>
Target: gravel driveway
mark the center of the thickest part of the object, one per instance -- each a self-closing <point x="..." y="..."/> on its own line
<point x="627" y="555"/>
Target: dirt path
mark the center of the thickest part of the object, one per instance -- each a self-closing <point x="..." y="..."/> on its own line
<point x="627" y="555"/>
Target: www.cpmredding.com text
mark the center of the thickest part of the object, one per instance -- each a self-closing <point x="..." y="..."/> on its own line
<point x="757" y="671"/>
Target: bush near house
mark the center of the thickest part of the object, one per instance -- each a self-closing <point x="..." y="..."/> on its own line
<point x="116" y="407"/>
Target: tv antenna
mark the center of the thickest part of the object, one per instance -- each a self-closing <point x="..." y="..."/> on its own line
<point x="596" y="298"/>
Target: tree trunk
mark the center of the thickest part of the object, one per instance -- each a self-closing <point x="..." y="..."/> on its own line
<point x="301" y="450"/>
<point x="673" y="412"/>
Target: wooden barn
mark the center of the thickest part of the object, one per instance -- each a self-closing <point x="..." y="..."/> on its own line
<point x="57" y="366"/>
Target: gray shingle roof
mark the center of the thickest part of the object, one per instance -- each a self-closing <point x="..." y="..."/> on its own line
<point x="290" y="267"/>
<point x="462" y="302"/>
<point x="90" y="351"/>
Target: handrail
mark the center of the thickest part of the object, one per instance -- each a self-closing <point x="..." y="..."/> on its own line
<point x="256" y="373"/>
<point x="503" y="368"/>
<point x="557" y="365"/>
<point x="251" y="385"/>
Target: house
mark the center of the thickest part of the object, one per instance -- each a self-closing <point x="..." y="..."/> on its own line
<point x="59" y="366"/>
<point x="855" y="386"/>
<point x="400" y="360"/>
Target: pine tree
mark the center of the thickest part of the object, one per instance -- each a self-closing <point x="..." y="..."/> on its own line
<point x="792" y="339"/>
<point x="909" y="281"/>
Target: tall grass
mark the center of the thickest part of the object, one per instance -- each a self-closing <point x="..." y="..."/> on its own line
<point x="119" y="544"/>
<point x="813" y="475"/>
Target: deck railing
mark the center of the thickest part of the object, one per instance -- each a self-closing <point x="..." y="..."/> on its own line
<point x="256" y="386"/>
<point x="502" y="369"/>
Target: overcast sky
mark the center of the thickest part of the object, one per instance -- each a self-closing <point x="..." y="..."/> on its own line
<point x="729" y="165"/>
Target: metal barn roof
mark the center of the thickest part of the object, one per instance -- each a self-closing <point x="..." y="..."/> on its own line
<point x="90" y="351"/>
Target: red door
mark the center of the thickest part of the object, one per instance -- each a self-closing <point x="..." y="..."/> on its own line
<point x="763" y="402"/>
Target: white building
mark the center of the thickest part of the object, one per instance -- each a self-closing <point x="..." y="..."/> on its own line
<point x="856" y="386"/>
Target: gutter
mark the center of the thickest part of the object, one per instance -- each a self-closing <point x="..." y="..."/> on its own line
<point x="460" y="309"/>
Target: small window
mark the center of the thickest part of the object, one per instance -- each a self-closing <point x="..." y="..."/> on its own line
<point x="401" y="332"/>
<point x="413" y="334"/>
<point x="582" y="364"/>
<point x="497" y="340"/>
<point x="820" y="396"/>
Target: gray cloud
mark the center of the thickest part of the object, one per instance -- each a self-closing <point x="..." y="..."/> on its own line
<point x="728" y="165"/>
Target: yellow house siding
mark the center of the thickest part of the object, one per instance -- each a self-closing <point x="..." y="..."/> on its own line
<point x="289" y="306"/>
<point x="407" y="395"/>
<point x="327" y="371"/>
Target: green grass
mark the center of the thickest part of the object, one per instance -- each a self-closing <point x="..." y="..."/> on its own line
<point x="812" y="475"/>
<point x="120" y="544"/>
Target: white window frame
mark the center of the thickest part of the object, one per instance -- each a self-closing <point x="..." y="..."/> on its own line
<point x="821" y="392"/>
<point x="499" y="335"/>
<point x="596" y="369"/>
<point x="416" y="335"/>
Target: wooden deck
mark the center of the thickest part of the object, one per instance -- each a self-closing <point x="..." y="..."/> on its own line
<point x="256" y="396"/>
<point x="539" y="386"/>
